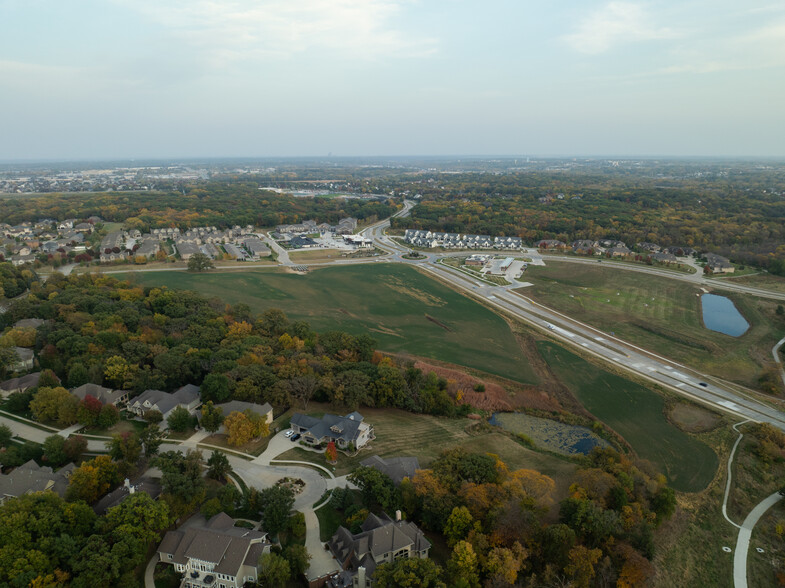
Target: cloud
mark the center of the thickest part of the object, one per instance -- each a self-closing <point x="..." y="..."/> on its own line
<point x="756" y="49"/>
<point x="615" y="24"/>
<point x="232" y="30"/>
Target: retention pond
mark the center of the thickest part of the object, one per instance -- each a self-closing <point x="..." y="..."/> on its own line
<point x="721" y="315"/>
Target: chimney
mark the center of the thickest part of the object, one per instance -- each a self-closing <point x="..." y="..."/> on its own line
<point x="127" y="483"/>
<point x="397" y="515"/>
<point x="361" y="577"/>
<point x="131" y="489"/>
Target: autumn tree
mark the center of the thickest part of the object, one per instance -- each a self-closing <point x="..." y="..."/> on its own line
<point x="92" y="479"/>
<point x="276" y="504"/>
<point x="331" y="453"/>
<point x="581" y="566"/>
<point x="89" y="411"/>
<point x="241" y="427"/>
<point x="274" y="571"/>
<point x="458" y="525"/>
<point x="126" y="449"/>
<point x="55" y="405"/>
<point x="463" y="567"/>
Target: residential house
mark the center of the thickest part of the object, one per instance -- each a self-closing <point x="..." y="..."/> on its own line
<point x="214" y="553"/>
<point x="395" y="468"/>
<point x="718" y="264"/>
<point x="104" y="395"/>
<point x="24" y="360"/>
<point x="20" y="384"/>
<point x="664" y="257"/>
<point x="680" y="251"/>
<point x="650" y="247"/>
<point x="115" y="497"/>
<point x="187" y="249"/>
<point x="236" y="252"/>
<point x="381" y="540"/>
<point x="31" y="477"/>
<point x="618" y="252"/>
<point x="584" y="246"/>
<point x="164" y="402"/>
<point x="344" y="431"/>
<point x="551" y="244"/>
<point x="263" y="410"/>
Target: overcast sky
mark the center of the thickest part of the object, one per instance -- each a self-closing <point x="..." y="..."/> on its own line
<point x="212" y="78"/>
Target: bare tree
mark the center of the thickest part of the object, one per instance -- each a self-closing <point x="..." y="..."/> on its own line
<point x="303" y="388"/>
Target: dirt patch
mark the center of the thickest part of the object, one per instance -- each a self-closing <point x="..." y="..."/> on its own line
<point x="693" y="419"/>
<point x="498" y="395"/>
<point x="425" y="297"/>
<point x="438" y="322"/>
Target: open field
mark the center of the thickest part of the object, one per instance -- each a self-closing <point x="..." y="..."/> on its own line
<point x="405" y="311"/>
<point x="637" y="414"/>
<point x="315" y="256"/>
<point x="759" y="280"/>
<point x="400" y="433"/>
<point x="660" y="315"/>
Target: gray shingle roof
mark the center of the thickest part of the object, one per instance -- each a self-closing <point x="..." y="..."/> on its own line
<point x="397" y="468"/>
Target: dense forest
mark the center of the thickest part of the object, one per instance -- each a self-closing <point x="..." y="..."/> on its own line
<point x="217" y="203"/>
<point x="742" y="218"/>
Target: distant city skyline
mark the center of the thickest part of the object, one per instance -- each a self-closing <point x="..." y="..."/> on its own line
<point x="181" y="79"/>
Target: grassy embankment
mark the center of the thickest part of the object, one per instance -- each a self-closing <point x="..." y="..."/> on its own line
<point x="405" y="311"/>
<point x="638" y="415"/>
<point x="660" y="315"/>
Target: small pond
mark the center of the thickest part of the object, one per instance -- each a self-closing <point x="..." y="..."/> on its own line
<point x="550" y="435"/>
<point x="721" y="315"/>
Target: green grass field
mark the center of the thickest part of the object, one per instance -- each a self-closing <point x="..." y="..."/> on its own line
<point x="637" y="414"/>
<point x="660" y="315"/>
<point x="405" y="311"/>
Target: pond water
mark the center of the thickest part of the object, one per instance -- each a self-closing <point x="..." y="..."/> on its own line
<point x="551" y="435"/>
<point x="721" y="315"/>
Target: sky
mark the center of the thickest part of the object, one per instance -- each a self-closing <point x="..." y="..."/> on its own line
<point x="110" y="79"/>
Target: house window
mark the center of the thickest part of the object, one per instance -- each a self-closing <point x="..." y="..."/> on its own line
<point x="169" y="555"/>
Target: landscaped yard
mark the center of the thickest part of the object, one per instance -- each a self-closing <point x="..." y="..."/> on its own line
<point x="637" y="414"/>
<point x="402" y="309"/>
<point x="400" y="433"/>
<point x="660" y="315"/>
<point x="123" y="426"/>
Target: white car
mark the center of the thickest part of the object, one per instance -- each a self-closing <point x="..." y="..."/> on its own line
<point x="288" y="433"/>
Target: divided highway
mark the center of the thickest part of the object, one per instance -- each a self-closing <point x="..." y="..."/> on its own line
<point x="721" y="395"/>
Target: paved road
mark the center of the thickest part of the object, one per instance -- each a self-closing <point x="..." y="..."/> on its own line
<point x="743" y="542"/>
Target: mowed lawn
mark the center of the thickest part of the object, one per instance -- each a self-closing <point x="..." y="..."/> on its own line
<point x="637" y="414"/>
<point x="400" y="433"/>
<point x="659" y="314"/>
<point x="405" y="311"/>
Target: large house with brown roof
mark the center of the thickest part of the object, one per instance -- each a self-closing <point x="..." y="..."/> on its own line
<point x="214" y="553"/>
<point x="381" y="540"/>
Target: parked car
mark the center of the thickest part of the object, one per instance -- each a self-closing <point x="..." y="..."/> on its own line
<point x="704" y="384"/>
<point x="288" y="433"/>
<point x="295" y="437"/>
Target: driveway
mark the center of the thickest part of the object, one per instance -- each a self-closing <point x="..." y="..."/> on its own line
<point x="278" y="444"/>
<point x="322" y="561"/>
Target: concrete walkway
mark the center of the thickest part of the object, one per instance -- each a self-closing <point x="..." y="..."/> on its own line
<point x="730" y="464"/>
<point x="743" y="542"/>
<point x="149" y="580"/>
<point x="776" y="353"/>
